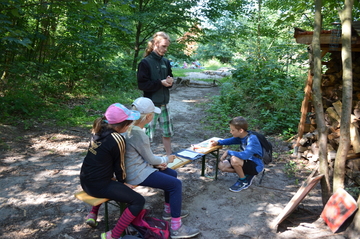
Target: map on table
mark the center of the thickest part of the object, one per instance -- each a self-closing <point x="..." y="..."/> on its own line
<point x="203" y="146"/>
<point x="188" y="154"/>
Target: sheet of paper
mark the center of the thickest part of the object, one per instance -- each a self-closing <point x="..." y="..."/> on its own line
<point x="205" y="144"/>
<point x="176" y="161"/>
<point x="188" y="154"/>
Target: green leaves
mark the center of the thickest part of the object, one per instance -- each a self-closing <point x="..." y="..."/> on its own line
<point x="261" y="91"/>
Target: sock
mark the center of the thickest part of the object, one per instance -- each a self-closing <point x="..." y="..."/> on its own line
<point x="125" y="219"/>
<point x="167" y="207"/>
<point x="242" y="179"/>
<point x="175" y="223"/>
<point x="95" y="209"/>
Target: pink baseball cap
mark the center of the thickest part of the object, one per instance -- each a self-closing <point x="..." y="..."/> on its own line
<point x="117" y="113"/>
<point x="145" y="105"/>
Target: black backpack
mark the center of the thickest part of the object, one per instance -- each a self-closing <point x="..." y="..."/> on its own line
<point x="266" y="147"/>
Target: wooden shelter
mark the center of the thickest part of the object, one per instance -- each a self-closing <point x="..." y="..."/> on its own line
<point x="331" y="85"/>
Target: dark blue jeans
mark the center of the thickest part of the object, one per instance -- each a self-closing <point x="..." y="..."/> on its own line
<point x="116" y="191"/>
<point x="167" y="180"/>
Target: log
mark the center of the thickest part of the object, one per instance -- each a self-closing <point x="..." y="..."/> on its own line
<point x="354" y="132"/>
<point x="355" y="138"/>
<point x="337" y="105"/>
<point x="333" y="136"/>
<point x="335" y="118"/>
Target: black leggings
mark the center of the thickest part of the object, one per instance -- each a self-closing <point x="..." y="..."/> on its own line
<point x="119" y="192"/>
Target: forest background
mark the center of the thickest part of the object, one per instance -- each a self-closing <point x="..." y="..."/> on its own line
<point x="60" y="61"/>
<point x="56" y="52"/>
<point x="63" y="61"/>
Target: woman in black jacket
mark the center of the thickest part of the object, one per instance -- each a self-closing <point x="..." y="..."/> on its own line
<point x="155" y="78"/>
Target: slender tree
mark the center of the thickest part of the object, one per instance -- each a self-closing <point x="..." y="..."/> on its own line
<point x="344" y="145"/>
<point x="317" y="102"/>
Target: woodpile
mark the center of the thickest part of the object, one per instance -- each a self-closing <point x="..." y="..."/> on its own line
<point x="332" y="95"/>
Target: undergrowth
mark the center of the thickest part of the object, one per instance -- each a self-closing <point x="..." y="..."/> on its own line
<point x="80" y="110"/>
<point x="265" y="96"/>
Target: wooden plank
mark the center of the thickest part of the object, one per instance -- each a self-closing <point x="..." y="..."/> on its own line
<point x="83" y="196"/>
<point x="297" y="198"/>
<point x="304" y="111"/>
<point x="325" y="39"/>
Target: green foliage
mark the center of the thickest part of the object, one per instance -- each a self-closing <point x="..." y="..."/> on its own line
<point x="30" y="109"/>
<point x="267" y="84"/>
<point x="262" y="93"/>
<point x="63" y="49"/>
<point x="354" y="191"/>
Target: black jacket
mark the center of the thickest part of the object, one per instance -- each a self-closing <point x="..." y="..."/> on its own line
<point x="151" y="70"/>
<point x="105" y="157"/>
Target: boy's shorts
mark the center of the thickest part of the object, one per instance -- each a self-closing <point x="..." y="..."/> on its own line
<point x="165" y="123"/>
<point x="249" y="167"/>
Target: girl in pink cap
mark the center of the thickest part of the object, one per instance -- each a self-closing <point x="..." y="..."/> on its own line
<point x="106" y="157"/>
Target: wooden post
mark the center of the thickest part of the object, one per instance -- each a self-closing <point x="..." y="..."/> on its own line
<point x="304" y="111"/>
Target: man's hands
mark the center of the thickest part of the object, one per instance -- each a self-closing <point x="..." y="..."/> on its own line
<point x="168" y="81"/>
<point x="161" y="166"/>
<point x="171" y="158"/>
<point x="223" y="157"/>
<point x="213" y="143"/>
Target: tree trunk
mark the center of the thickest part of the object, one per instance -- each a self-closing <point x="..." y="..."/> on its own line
<point x="340" y="160"/>
<point x="258" y="30"/>
<point x="137" y="46"/>
<point x="138" y="34"/>
<point x="318" y="105"/>
<point x="354" y="229"/>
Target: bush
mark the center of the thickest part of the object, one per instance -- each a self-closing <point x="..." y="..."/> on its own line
<point x="263" y="94"/>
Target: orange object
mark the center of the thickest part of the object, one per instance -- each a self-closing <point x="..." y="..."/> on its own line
<point x="340" y="206"/>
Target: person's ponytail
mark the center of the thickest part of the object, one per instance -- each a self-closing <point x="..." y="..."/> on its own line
<point x="156" y="38"/>
<point x="98" y="124"/>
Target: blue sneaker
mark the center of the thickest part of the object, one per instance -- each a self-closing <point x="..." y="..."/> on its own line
<point x="249" y="179"/>
<point x="239" y="185"/>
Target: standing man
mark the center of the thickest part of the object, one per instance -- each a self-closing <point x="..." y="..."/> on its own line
<point x="154" y="79"/>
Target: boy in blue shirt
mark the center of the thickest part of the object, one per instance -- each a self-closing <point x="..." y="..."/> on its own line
<point x="247" y="163"/>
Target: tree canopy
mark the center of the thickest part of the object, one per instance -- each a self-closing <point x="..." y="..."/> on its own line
<point x="54" y="50"/>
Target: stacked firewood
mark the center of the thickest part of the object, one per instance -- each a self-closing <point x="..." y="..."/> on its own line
<point x="332" y="96"/>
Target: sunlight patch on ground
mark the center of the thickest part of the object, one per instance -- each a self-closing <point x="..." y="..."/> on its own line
<point x="190" y="101"/>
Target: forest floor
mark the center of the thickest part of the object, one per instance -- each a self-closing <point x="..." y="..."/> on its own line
<point x="39" y="174"/>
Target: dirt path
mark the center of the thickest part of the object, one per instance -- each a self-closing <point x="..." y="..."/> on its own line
<point x="39" y="175"/>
